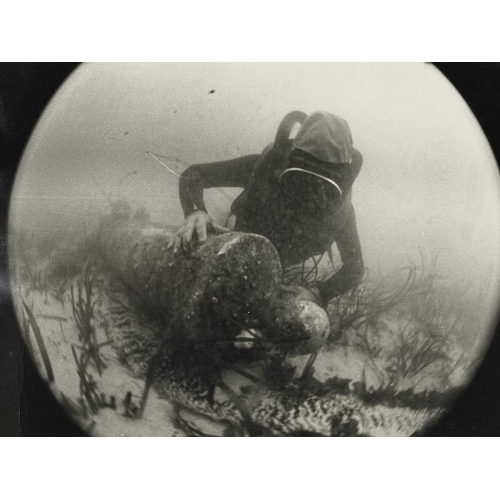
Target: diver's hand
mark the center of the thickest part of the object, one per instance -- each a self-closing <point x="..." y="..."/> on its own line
<point x="297" y="292"/>
<point x="198" y="222"/>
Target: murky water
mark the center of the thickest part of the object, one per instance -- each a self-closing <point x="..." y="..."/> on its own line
<point x="401" y="346"/>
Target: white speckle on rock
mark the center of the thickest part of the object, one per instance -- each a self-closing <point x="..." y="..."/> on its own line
<point x="227" y="246"/>
<point x="251" y="334"/>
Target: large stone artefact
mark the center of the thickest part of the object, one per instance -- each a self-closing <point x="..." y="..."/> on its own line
<point x="211" y="291"/>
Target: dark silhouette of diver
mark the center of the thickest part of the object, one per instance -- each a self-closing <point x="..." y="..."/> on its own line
<point x="297" y="193"/>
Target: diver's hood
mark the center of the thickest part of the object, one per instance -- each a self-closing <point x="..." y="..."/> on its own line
<point x="323" y="148"/>
<point x="326" y="137"/>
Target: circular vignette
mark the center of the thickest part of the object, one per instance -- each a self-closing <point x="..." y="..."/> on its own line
<point x="487" y="122"/>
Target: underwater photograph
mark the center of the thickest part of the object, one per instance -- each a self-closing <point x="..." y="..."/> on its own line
<point x="256" y="249"/>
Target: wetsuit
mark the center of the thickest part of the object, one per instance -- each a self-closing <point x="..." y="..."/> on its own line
<point x="297" y="231"/>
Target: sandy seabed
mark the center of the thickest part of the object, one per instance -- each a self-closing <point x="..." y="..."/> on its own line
<point x="178" y="404"/>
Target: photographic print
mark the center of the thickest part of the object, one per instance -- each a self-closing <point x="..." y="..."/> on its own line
<point x="256" y="249"/>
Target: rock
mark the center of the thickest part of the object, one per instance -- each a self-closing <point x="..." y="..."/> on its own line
<point x="302" y="324"/>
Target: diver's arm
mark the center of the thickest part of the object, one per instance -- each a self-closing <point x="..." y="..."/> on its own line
<point x="351" y="272"/>
<point x="231" y="173"/>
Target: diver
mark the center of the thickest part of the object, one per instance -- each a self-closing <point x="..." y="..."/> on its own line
<point x="296" y="193"/>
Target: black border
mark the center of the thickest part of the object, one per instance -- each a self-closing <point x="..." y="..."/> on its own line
<point x="27" y="407"/>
